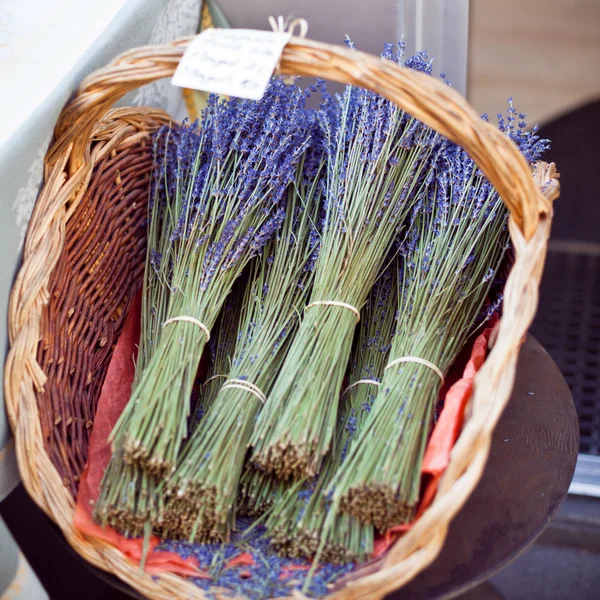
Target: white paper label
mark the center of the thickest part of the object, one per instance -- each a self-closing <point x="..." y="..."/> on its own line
<point x="231" y="62"/>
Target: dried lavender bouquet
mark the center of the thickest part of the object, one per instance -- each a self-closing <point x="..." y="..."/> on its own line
<point x="377" y="158"/>
<point x="458" y="235"/>
<point x="130" y="497"/>
<point x="221" y="349"/>
<point x="223" y="189"/>
<point x="205" y="483"/>
<point x="259" y="491"/>
<point x="127" y="495"/>
<point x="301" y="524"/>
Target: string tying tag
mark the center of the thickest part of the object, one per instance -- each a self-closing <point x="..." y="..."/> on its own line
<point x="345" y="305"/>
<point x="361" y="382"/>
<point x="187" y="319"/>
<point x="242" y="384"/>
<point x="281" y="25"/>
<point x="419" y="361"/>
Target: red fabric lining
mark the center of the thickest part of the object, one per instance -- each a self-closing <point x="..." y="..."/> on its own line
<point x="115" y="394"/>
<point x="113" y="398"/>
<point x="244" y="559"/>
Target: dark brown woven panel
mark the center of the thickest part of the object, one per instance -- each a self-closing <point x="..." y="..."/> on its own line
<point x="91" y="290"/>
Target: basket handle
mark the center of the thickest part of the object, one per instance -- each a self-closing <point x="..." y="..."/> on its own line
<point x="422" y="96"/>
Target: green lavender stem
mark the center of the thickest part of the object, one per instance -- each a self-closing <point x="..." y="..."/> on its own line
<point x="174" y="518"/>
<point x="258" y="492"/>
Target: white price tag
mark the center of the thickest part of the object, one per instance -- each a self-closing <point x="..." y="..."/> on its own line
<point x="231" y="62"/>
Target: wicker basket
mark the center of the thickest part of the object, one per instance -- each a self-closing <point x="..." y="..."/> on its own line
<point x="83" y="262"/>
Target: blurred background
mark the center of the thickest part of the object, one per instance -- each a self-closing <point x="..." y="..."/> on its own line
<point x="544" y="53"/>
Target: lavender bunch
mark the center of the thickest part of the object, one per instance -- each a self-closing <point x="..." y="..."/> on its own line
<point x="457" y="237"/>
<point x="223" y="186"/>
<point x="205" y="483"/>
<point x="301" y="524"/>
<point x="377" y="158"/>
<point x="221" y="349"/>
<point x="127" y="497"/>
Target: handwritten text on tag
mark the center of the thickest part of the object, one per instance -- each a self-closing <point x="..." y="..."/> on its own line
<point x="231" y="62"/>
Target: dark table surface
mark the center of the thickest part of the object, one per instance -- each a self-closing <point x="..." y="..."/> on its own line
<point x="527" y="476"/>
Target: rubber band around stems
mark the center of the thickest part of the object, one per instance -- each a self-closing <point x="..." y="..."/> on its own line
<point x="191" y="320"/>
<point x="281" y="25"/>
<point x="359" y="382"/>
<point x="419" y="361"/>
<point x="217" y="376"/>
<point x="242" y="384"/>
<point x="345" y="305"/>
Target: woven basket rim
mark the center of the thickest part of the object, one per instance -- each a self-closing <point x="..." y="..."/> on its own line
<point x="84" y="122"/>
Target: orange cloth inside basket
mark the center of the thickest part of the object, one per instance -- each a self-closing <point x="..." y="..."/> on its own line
<point x="446" y="430"/>
<point x="115" y="394"/>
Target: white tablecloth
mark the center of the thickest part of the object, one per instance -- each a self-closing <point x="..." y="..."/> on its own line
<point x="46" y="48"/>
